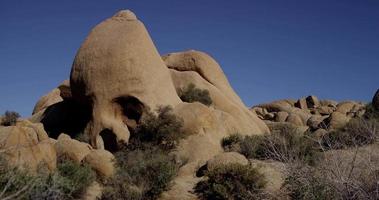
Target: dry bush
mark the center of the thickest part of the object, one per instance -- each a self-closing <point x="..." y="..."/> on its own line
<point x="141" y="174"/>
<point x="286" y="145"/>
<point x="358" y="132"/>
<point x="340" y="174"/>
<point x="10" y="118"/>
<point x="192" y="94"/>
<point x="232" y="181"/>
<point x="67" y="182"/>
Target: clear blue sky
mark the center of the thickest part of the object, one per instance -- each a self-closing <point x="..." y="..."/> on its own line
<point x="269" y="49"/>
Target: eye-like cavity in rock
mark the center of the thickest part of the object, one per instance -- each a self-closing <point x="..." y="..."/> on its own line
<point x="119" y="72"/>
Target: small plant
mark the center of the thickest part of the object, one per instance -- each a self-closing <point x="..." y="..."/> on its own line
<point x="141" y="174"/>
<point x="191" y="94"/>
<point x="232" y="181"/>
<point x="10" y="118"/>
<point x="232" y="142"/>
<point x="164" y="129"/>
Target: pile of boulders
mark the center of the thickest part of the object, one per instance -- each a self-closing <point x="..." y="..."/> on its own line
<point x="310" y="113"/>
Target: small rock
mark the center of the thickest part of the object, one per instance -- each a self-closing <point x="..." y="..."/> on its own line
<point x="295" y="119"/>
<point x="301" y="103"/>
<point x="101" y="161"/>
<point x="281" y="116"/>
<point x="71" y="149"/>
<point x="337" y="120"/>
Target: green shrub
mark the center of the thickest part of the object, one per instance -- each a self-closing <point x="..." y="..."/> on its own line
<point x="10" y="118"/>
<point x="67" y="182"/>
<point x="192" y="94"/>
<point x="141" y="174"/>
<point x="285" y="146"/>
<point x="232" y="142"/>
<point x="164" y="129"/>
<point x="357" y="132"/>
<point x="232" y="181"/>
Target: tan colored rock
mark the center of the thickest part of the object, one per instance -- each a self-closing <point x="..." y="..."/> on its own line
<point x="295" y="119"/>
<point x="206" y="67"/>
<point x="337" y="120"/>
<point x="101" y="161"/>
<point x="269" y="116"/>
<point x="71" y="149"/>
<point x="197" y="118"/>
<point x="312" y="101"/>
<point x="345" y="107"/>
<point x="301" y="103"/>
<point x="119" y="71"/>
<point x="53" y="97"/>
<point x="281" y="116"/>
<point x="226" y="158"/>
<point x="27" y="145"/>
<point x="330" y="103"/>
<point x="375" y="100"/>
<point x="223" y="97"/>
<point x="325" y="110"/>
<point x="316" y="121"/>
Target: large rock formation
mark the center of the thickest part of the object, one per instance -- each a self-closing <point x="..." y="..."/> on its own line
<point x="119" y="72"/>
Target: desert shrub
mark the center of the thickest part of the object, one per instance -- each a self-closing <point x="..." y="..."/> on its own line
<point x="145" y="166"/>
<point x="67" y="182"/>
<point x="286" y="145"/>
<point x="192" y="94"/>
<point x="341" y="174"/>
<point x="232" y="142"/>
<point x="304" y="182"/>
<point x="163" y="129"/>
<point x="142" y="174"/>
<point x="14" y="183"/>
<point x="10" y="118"/>
<point x="371" y="112"/>
<point x="357" y="132"/>
<point x="232" y="181"/>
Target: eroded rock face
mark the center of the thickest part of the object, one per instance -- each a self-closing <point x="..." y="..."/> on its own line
<point x="27" y="145"/>
<point x="204" y="72"/>
<point x="119" y="72"/>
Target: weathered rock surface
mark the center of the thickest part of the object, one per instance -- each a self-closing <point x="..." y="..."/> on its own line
<point x="101" y="161"/>
<point x="27" y="145"/>
<point x="337" y="120"/>
<point x="71" y="149"/>
<point x="55" y="96"/>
